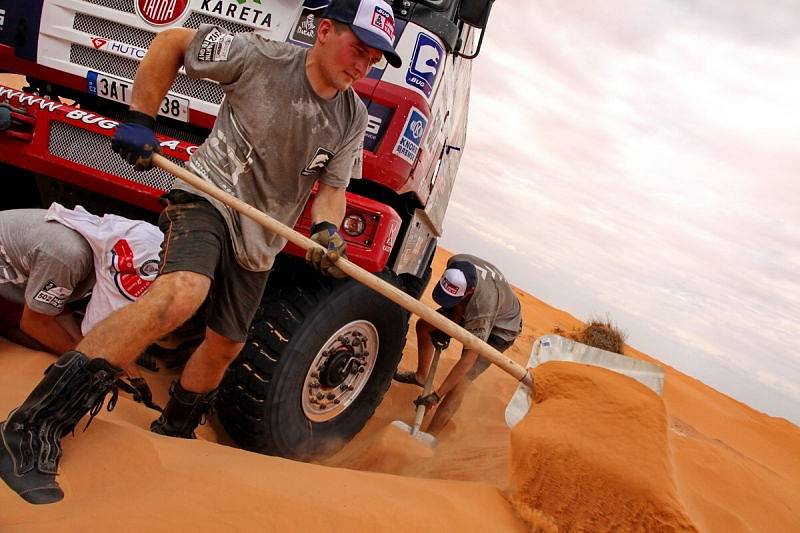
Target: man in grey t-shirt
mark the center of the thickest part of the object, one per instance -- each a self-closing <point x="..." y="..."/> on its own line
<point x="473" y="293"/>
<point x="43" y="266"/>
<point x="290" y="118"/>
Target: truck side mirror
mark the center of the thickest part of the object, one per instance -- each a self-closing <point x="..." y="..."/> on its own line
<point x="475" y="12"/>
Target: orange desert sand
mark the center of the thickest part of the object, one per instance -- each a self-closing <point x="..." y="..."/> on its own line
<point x="597" y="452"/>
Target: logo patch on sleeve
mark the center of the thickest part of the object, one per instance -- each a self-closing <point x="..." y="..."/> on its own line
<point x="52" y="295"/>
<point x="318" y="162"/>
<point x="215" y="46"/>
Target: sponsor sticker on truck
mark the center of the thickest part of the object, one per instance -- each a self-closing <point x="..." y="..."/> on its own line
<point x="425" y="64"/>
<point x="120" y="90"/>
<point x="408" y="144"/>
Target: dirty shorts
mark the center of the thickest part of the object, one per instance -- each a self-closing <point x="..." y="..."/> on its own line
<point x="481" y="364"/>
<point x="196" y="239"/>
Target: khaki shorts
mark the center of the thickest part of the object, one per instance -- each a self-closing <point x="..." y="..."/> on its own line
<point x="196" y="240"/>
<point x="482" y="363"/>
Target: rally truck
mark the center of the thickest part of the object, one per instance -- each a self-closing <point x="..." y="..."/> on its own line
<point x="321" y="352"/>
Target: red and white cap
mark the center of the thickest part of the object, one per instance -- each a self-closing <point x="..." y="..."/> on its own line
<point x="372" y="21"/>
<point x="459" y="277"/>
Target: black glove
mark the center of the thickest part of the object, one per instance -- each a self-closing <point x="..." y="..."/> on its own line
<point x="135" y="141"/>
<point x="428" y="401"/>
<point x="140" y="391"/>
<point x="327" y="235"/>
<point x="440" y="339"/>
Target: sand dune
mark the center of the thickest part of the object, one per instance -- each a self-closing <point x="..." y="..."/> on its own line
<point x="598" y="452"/>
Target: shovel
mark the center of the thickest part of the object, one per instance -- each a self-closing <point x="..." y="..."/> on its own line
<point x="414" y="431"/>
<point x="442" y="323"/>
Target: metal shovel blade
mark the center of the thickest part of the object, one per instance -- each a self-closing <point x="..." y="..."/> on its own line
<point x="426" y="438"/>
<point x="519" y="405"/>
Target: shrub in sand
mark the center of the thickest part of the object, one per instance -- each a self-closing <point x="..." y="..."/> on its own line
<point x="600" y="333"/>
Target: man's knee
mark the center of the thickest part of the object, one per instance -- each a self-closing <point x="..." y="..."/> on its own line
<point x="220" y="348"/>
<point x="423" y="328"/>
<point x="177" y="296"/>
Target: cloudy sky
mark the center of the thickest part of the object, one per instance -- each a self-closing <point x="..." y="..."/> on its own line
<point x="641" y="160"/>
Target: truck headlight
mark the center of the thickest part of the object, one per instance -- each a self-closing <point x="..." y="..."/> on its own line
<point x="354" y="225"/>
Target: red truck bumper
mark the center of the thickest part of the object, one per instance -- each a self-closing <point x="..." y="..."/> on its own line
<point x="72" y="145"/>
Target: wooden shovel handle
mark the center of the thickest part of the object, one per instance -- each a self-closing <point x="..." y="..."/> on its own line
<point x="375" y="283"/>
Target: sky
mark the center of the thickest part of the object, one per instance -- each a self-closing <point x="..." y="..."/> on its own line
<point x="640" y="160"/>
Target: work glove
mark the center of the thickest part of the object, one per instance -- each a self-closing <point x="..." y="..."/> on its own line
<point x="327" y="235"/>
<point x="428" y="400"/>
<point x="440" y="339"/>
<point x="135" y="141"/>
<point x="140" y="390"/>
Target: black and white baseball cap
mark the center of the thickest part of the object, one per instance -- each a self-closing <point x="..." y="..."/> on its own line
<point x="459" y="277"/>
<point x="371" y="20"/>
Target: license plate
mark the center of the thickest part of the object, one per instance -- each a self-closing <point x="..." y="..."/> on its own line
<point x="120" y="90"/>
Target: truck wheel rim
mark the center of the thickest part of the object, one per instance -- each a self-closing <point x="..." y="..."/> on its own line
<point x="340" y="371"/>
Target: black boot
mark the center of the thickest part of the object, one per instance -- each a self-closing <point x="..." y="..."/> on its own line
<point x="31" y="437"/>
<point x="184" y="412"/>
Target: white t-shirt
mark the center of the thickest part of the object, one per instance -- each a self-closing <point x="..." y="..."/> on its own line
<point x="125" y="258"/>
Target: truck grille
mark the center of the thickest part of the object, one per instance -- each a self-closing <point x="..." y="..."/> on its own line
<point x="94" y="150"/>
<point x="142" y="38"/>
<point x="119" y="5"/>
<point x="126" y="68"/>
<point x="195" y="19"/>
<point x="112" y="30"/>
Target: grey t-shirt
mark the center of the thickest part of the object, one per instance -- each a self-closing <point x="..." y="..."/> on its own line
<point x="42" y="264"/>
<point x="274" y="137"/>
<point x="494" y="309"/>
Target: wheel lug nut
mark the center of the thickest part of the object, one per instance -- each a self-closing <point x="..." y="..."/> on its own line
<point x="330" y="396"/>
<point x="320" y="395"/>
<point x="336" y="401"/>
<point x="315" y="375"/>
<point x="322" y="405"/>
<point x="361" y="370"/>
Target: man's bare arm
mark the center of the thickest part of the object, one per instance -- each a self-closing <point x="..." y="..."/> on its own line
<point x="329" y="205"/>
<point x="458" y="372"/>
<point x="158" y="69"/>
<point x="46" y="330"/>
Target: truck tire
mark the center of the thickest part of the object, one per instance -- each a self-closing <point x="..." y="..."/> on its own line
<point x="319" y="358"/>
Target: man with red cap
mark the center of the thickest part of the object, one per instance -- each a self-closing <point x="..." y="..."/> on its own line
<point x="289" y="119"/>
<point x="474" y="294"/>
